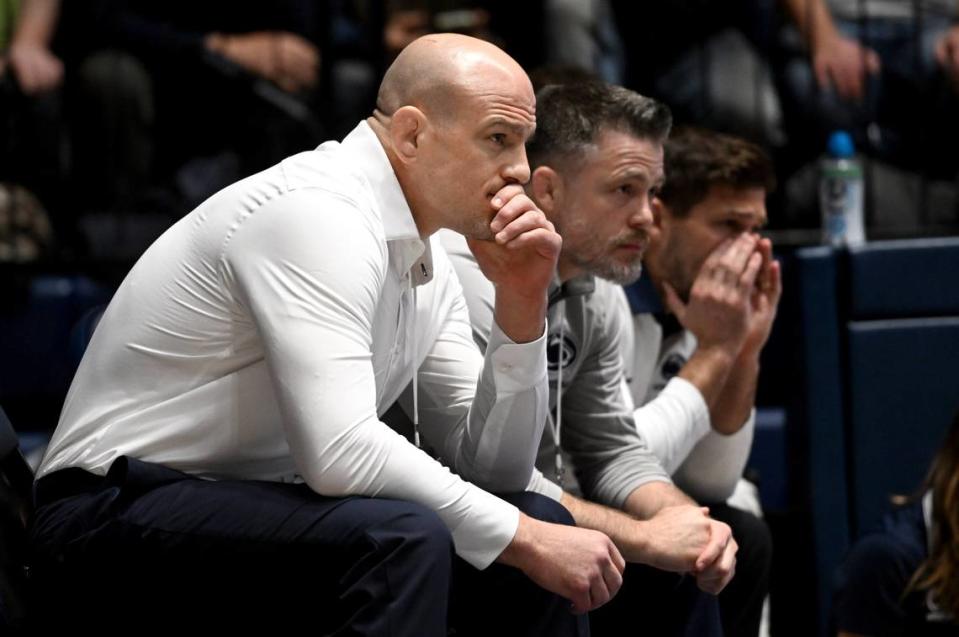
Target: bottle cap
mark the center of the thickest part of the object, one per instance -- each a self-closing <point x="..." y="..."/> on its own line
<point x="840" y="145"/>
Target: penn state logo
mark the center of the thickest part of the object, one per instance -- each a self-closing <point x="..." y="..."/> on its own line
<point x="671" y="366"/>
<point x="559" y="352"/>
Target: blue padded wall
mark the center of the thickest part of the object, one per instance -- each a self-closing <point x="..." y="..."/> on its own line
<point x="903" y="391"/>
<point x="900" y="279"/>
<point x="817" y="436"/>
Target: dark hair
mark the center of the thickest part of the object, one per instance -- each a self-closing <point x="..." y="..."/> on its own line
<point x="570" y="118"/>
<point x="697" y="159"/>
<point x="560" y="74"/>
<point x="939" y="573"/>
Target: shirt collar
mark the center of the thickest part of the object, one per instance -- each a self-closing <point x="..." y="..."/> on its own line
<point x="395" y="213"/>
<point x="577" y="286"/>
<point x="643" y="297"/>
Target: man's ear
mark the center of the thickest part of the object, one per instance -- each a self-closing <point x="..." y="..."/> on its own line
<point x="407" y="126"/>
<point x="546" y="188"/>
<point x="660" y="212"/>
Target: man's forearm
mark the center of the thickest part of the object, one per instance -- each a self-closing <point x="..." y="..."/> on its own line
<point x="672" y="540"/>
<point x="708" y="369"/>
<point x="813" y="20"/>
<point x="624" y="530"/>
<point x="732" y="407"/>
<point x="37" y="22"/>
<point x="647" y="500"/>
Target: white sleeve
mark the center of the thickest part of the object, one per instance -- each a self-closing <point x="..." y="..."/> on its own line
<point x="716" y="463"/>
<point x="309" y="269"/>
<point x="483" y="417"/>
<point x="542" y="485"/>
<point x="673" y="422"/>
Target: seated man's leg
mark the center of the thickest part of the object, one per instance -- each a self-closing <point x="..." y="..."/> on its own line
<point x="502" y="600"/>
<point x="152" y="546"/>
<point x="741" y="602"/>
<point x="654" y="602"/>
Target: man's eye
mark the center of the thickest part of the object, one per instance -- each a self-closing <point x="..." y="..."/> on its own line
<point x="626" y="189"/>
<point x="498" y="138"/>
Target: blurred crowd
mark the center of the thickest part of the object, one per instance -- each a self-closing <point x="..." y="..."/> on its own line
<point x="119" y="116"/>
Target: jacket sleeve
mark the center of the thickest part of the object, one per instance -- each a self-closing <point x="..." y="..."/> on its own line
<point x="610" y="458"/>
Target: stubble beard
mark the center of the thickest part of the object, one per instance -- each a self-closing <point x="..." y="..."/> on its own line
<point x="620" y="273"/>
<point x="475" y="227"/>
<point x="605" y="265"/>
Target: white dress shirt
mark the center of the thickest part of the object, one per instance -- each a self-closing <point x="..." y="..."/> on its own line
<point x="263" y="336"/>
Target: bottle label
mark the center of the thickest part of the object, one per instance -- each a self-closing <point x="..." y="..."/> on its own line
<point x="841" y="202"/>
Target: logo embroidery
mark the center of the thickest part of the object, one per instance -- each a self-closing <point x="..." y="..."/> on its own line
<point x="559" y="352"/>
<point x="671" y="366"/>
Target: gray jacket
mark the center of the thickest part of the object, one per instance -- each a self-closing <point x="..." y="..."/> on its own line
<point x="598" y="434"/>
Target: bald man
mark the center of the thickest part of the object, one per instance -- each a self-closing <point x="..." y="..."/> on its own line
<point x="221" y="449"/>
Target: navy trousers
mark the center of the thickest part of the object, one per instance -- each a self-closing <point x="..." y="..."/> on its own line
<point x="149" y="547"/>
<point x="741" y="602"/>
<point x="657" y="603"/>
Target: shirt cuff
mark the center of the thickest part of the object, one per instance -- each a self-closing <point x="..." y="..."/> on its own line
<point x="517" y="367"/>
<point x="486" y="532"/>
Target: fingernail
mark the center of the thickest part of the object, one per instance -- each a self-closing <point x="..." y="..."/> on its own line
<point x="497" y="202"/>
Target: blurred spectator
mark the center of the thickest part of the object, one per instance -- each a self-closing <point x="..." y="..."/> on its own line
<point x="25" y="233"/>
<point x="199" y="93"/>
<point x="582" y="34"/>
<point x="407" y="20"/>
<point x="666" y="55"/>
<point x="886" y="71"/>
<point x="31" y="76"/>
<point x="29" y="57"/>
<point x="514" y="26"/>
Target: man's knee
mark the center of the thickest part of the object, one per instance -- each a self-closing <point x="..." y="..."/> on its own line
<point x="416" y="528"/>
<point x="540" y="507"/>
<point x="756" y="544"/>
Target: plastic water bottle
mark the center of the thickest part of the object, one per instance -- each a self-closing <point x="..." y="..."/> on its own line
<point x="841" y="193"/>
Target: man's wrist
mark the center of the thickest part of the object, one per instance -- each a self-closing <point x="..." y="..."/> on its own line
<point x="748" y="361"/>
<point x="640" y="544"/>
<point x="521" y="317"/>
<point x="518" y="550"/>
<point x="709" y="361"/>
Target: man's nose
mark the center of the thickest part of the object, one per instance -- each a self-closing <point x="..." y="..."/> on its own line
<point x="517" y="171"/>
<point x="642" y="216"/>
